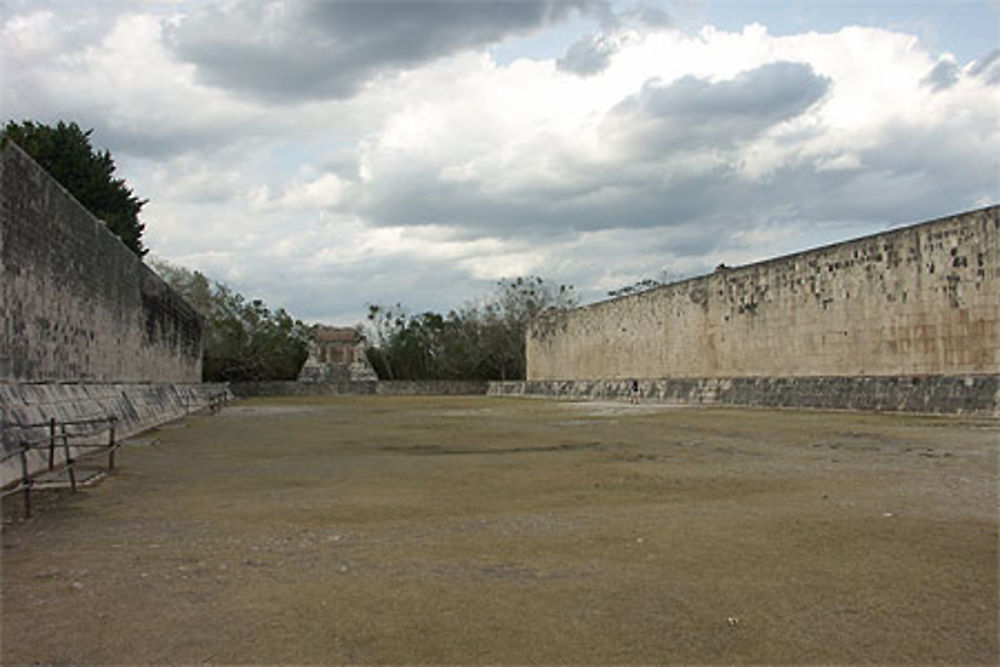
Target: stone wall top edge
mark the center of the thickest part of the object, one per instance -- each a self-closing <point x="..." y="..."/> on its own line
<point x="11" y="151"/>
<point x="717" y="378"/>
<point x="764" y="263"/>
<point x="106" y="383"/>
<point x="162" y="286"/>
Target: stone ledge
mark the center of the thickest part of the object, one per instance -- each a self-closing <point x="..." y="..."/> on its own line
<point x="136" y="408"/>
<point x="380" y="387"/>
<point x="934" y="394"/>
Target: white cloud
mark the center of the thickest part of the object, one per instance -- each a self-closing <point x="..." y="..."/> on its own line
<point x="32" y="35"/>
<point x="324" y="192"/>
<point x="431" y="171"/>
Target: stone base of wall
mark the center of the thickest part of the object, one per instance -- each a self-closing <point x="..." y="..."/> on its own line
<point x="295" y="388"/>
<point x="136" y="407"/>
<point x="381" y="387"/>
<point x="432" y="387"/>
<point x="939" y="394"/>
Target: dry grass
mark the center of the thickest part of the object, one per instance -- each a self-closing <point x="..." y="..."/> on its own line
<point x="474" y="530"/>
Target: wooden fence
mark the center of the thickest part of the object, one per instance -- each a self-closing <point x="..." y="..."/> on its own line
<point x="62" y="444"/>
<point x="95" y="436"/>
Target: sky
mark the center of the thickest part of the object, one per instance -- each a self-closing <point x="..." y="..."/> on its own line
<point x="324" y="155"/>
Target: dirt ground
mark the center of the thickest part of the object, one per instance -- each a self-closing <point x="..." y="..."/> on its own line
<point x="478" y="530"/>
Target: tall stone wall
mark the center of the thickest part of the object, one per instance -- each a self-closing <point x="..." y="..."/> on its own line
<point x="77" y="305"/>
<point x="921" y="300"/>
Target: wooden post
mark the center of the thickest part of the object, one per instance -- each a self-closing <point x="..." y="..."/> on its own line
<point x="69" y="458"/>
<point x="111" y="444"/>
<point x="26" y="480"/>
<point x="52" y="443"/>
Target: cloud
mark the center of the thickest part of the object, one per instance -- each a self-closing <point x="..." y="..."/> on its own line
<point x="593" y="53"/>
<point x="589" y="55"/>
<point x="987" y="68"/>
<point x="695" y="112"/>
<point x="944" y="75"/>
<point x="314" y="49"/>
<point x="668" y="152"/>
<point x="322" y="159"/>
<point x="119" y="81"/>
<point x="42" y="29"/>
<point x="651" y="16"/>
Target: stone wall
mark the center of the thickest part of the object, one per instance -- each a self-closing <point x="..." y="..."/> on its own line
<point x="431" y="387"/>
<point x="970" y="394"/>
<point x="921" y="300"/>
<point x="380" y="387"/>
<point x="136" y="408"/>
<point x="76" y="304"/>
<point x="296" y="388"/>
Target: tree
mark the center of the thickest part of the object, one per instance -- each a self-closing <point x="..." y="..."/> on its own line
<point x="243" y="340"/>
<point x="517" y="302"/>
<point x="485" y="341"/>
<point x="643" y="285"/>
<point x="65" y="152"/>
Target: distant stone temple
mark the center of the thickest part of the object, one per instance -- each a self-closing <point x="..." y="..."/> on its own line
<point x="336" y="354"/>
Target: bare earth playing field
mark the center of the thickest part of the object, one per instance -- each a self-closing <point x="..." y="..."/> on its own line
<point x="475" y="530"/>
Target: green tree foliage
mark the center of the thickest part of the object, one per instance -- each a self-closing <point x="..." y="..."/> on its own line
<point x="65" y="152"/>
<point x="244" y="341"/>
<point x="479" y="342"/>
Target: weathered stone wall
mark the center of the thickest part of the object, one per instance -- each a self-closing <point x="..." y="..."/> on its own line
<point x="922" y="300"/>
<point x="136" y="408"/>
<point x="76" y="304"/>
<point x="296" y="388"/>
<point x="380" y="387"/>
<point x="431" y="387"/>
<point x="941" y="394"/>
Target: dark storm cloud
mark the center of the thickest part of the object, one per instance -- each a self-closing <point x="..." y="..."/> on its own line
<point x="693" y="112"/>
<point x="309" y="49"/>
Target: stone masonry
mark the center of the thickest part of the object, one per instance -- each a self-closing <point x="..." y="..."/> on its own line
<point x="336" y="354"/>
<point x="917" y="301"/>
<point x="76" y="304"/>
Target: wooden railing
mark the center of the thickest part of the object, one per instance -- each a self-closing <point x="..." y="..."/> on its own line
<point x="70" y="437"/>
<point x="217" y="401"/>
<point x="94" y="436"/>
